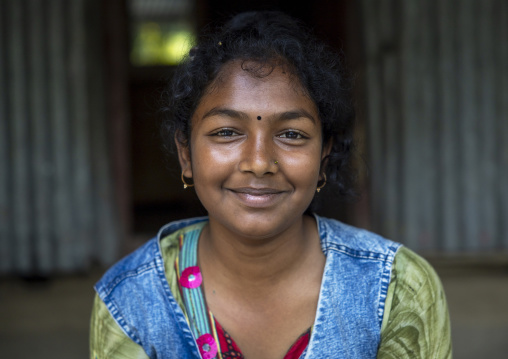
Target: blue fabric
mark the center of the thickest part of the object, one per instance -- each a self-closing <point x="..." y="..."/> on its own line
<point x="350" y="308"/>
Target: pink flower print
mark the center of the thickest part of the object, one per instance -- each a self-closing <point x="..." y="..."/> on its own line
<point x="207" y="346"/>
<point x="191" y="277"/>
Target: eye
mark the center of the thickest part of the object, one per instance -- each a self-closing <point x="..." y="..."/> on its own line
<point x="291" y="134"/>
<point x="225" y="132"/>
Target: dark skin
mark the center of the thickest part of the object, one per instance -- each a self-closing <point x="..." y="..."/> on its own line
<point x="260" y="257"/>
<point x="258" y="296"/>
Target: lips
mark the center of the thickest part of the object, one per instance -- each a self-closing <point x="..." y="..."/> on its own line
<point x="256" y="191"/>
<point x="258" y="197"/>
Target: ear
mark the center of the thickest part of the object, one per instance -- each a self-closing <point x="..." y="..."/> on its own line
<point x="327" y="148"/>
<point x="184" y="157"/>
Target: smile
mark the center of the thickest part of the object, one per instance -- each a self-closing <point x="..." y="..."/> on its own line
<point x="257" y="197"/>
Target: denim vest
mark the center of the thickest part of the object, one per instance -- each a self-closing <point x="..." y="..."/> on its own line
<point x="349" y="313"/>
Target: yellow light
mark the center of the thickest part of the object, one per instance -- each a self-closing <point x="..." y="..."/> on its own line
<point x="176" y="46"/>
<point x="160" y="45"/>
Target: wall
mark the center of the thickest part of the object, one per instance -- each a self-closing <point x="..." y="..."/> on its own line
<point x="437" y="88"/>
<point x="56" y="204"/>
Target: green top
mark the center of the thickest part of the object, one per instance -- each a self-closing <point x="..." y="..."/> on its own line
<point x="415" y="323"/>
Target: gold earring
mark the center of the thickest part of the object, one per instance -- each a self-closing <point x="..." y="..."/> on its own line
<point x="185" y="184"/>
<point x="324" y="183"/>
<point x="276" y="162"/>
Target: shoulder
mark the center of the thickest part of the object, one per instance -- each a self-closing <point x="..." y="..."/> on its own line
<point x="148" y="256"/>
<point x="416" y="278"/>
<point x="107" y="340"/>
<point x="136" y="291"/>
<point x="139" y="261"/>
<point x="416" y="321"/>
<point x="354" y="241"/>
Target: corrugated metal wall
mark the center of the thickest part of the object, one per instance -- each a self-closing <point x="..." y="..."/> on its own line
<point x="437" y="79"/>
<point x="56" y="208"/>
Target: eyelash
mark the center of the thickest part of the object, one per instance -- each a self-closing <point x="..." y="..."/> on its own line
<point x="220" y="133"/>
<point x="228" y="132"/>
<point x="298" y="134"/>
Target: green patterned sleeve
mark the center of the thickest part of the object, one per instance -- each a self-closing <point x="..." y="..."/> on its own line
<point x="416" y="322"/>
<point x="107" y="340"/>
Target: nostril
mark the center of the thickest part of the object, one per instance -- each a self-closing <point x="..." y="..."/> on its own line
<point x="259" y="163"/>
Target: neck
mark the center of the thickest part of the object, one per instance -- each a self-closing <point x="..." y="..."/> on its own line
<point x="255" y="263"/>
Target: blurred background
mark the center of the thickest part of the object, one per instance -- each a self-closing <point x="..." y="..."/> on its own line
<point x="84" y="178"/>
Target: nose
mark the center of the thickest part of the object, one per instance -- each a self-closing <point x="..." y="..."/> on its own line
<point x="257" y="156"/>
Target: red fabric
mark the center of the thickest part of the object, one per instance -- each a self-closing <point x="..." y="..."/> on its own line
<point x="228" y="347"/>
<point x="230" y="350"/>
<point x="299" y="346"/>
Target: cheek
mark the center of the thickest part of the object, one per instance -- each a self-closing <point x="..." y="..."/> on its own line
<point x="210" y="162"/>
<point x="303" y="167"/>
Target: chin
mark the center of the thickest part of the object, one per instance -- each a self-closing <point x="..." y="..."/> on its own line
<point x="261" y="226"/>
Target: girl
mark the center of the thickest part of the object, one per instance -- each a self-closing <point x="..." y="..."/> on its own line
<point x="262" y="121"/>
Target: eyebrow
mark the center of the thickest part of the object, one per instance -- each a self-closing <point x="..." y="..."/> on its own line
<point x="284" y="116"/>
<point x="226" y="112"/>
<point x="296" y="114"/>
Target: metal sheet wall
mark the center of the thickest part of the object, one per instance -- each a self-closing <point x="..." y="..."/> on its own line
<point x="437" y="80"/>
<point x="56" y="207"/>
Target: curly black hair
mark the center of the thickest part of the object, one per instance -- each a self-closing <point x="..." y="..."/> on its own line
<point x="274" y="39"/>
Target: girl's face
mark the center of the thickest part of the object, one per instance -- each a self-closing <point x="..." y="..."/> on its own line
<point x="256" y="150"/>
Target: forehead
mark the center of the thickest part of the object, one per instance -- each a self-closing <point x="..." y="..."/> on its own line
<point x="271" y="72"/>
<point x="251" y="86"/>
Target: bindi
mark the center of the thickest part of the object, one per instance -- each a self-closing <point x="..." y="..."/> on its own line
<point x="259" y="118"/>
